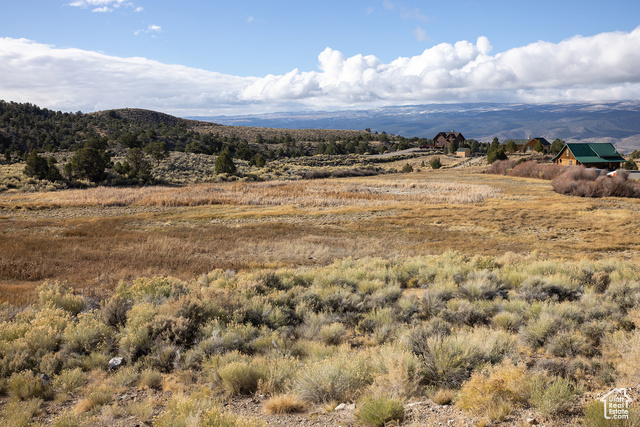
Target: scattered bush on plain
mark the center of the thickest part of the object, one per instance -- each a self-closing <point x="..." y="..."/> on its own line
<point x="338" y="333"/>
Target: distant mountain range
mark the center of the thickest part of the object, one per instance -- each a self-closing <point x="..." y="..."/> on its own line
<point x="614" y="122"/>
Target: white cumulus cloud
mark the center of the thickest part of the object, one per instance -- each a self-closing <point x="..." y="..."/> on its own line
<point x="601" y="67"/>
<point x="149" y="29"/>
<point x="74" y="79"/>
<point x="103" y="6"/>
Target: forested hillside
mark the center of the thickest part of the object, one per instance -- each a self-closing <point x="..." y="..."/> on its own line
<point x="123" y="146"/>
<point x="26" y="127"/>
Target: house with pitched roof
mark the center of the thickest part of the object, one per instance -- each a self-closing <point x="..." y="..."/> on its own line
<point x="591" y="155"/>
<point x="444" y="139"/>
<point x="530" y="145"/>
<point x="520" y="143"/>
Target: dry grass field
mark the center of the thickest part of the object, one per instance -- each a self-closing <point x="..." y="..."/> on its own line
<point x="448" y="297"/>
<point x="93" y="238"/>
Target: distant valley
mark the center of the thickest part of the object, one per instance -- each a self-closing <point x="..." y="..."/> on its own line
<point x="614" y="122"/>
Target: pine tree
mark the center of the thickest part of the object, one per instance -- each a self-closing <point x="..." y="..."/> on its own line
<point x="36" y="166"/>
<point x="224" y="163"/>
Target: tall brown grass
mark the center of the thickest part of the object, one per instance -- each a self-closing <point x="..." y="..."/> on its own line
<point x="75" y="236"/>
<point x="272" y="193"/>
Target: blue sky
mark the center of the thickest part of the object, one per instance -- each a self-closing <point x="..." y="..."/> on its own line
<point x="223" y="57"/>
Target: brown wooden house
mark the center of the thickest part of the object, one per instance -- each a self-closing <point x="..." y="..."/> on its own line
<point x="443" y="139"/>
<point x="531" y="145"/>
<point x="520" y="143"/>
<point x="601" y="156"/>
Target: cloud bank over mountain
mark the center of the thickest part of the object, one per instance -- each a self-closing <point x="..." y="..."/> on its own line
<point x="601" y="67"/>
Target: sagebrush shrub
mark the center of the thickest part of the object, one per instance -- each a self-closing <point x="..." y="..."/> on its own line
<point x="66" y="419"/>
<point x="555" y="367"/>
<point x="447" y="361"/>
<point x="173" y="330"/>
<point x="378" y="411"/>
<point x="115" y="310"/>
<point x="200" y="409"/>
<point x="167" y="287"/>
<point x="142" y="410"/>
<point x="69" y="380"/>
<point x="537" y="332"/>
<point x="125" y="376"/>
<point x="397" y="374"/>
<point x="18" y="413"/>
<point x="431" y="304"/>
<point x="332" y="334"/>
<point x="134" y="343"/>
<point x="414" y="338"/>
<point x="313" y="322"/>
<point x="568" y="344"/>
<point x="383" y="297"/>
<point x="56" y="295"/>
<point x="231" y="337"/>
<point x="623" y="348"/>
<point x="551" y="396"/>
<point x="87" y="334"/>
<point x="242" y="377"/>
<point x="483" y="285"/>
<point x="462" y="312"/>
<point x="165" y="357"/>
<point x="96" y="398"/>
<point x="379" y="322"/>
<point x="624" y="294"/>
<point x="338" y="378"/>
<point x="281" y="372"/>
<point x="498" y="387"/>
<point x="151" y="378"/>
<point x="539" y="289"/>
<point x="508" y="321"/>
<point x="52" y="363"/>
<point x="27" y="385"/>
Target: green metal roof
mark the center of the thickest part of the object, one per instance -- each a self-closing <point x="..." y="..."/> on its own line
<point x="593" y="153"/>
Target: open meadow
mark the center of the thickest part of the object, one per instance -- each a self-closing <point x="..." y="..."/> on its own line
<point x="422" y="297"/>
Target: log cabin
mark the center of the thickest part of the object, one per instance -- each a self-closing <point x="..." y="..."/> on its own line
<point x="591" y="155"/>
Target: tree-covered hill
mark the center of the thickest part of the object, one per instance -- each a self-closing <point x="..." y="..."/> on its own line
<point x="89" y="144"/>
<point x="26" y="127"/>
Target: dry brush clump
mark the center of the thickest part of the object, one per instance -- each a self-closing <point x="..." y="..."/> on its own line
<point x="358" y="330"/>
<point x="497" y="391"/>
<point x="571" y="180"/>
<point x="526" y="169"/>
<point x="582" y="182"/>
